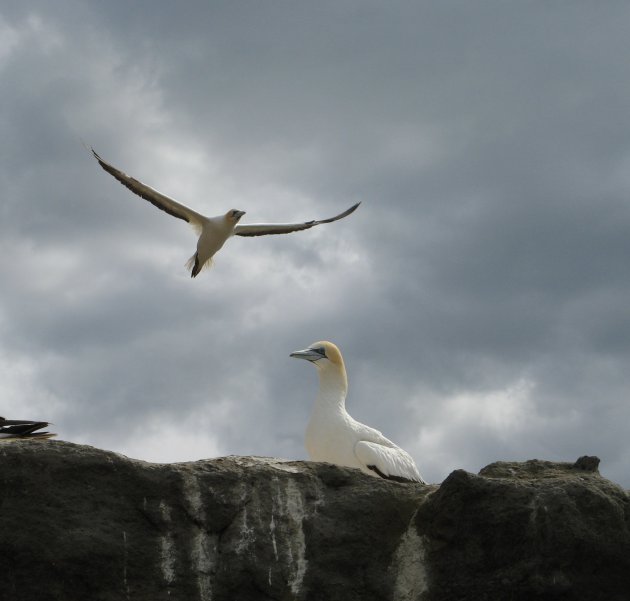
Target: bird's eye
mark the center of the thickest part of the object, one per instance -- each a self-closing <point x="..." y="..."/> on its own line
<point x="320" y="351"/>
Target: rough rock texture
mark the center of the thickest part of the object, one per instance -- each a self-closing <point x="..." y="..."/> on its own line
<point x="523" y="531"/>
<point x="78" y="523"/>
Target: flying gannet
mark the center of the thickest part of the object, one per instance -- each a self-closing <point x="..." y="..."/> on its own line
<point x="13" y="429"/>
<point x="333" y="436"/>
<point x="213" y="231"/>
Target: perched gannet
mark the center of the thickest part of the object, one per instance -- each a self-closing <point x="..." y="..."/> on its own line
<point x="12" y="429"/>
<point x="333" y="436"/>
<point x="213" y="231"/>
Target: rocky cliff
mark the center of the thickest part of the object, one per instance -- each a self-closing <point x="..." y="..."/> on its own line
<point x="78" y="523"/>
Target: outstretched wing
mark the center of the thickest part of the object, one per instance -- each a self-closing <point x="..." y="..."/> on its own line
<point x="161" y="201"/>
<point x="19" y="428"/>
<point x="264" y="229"/>
<point x="392" y="463"/>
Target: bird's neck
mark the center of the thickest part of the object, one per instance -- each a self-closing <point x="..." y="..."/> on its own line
<point x="333" y="387"/>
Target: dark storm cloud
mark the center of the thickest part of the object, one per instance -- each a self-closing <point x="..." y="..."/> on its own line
<point x="479" y="294"/>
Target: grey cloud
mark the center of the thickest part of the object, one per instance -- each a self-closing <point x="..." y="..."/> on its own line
<point x="487" y="142"/>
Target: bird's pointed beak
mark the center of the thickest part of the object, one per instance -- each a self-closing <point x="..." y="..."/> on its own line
<point x="240" y="214"/>
<point x="308" y="353"/>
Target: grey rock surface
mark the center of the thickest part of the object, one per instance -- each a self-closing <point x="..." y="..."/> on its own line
<point x="86" y="524"/>
<point x="534" y="530"/>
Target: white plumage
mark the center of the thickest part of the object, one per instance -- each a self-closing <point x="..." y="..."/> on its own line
<point x="213" y="231"/>
<point x="332" y="435"/>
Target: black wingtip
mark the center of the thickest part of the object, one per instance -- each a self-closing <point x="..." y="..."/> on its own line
<point x="196" y="268"/>
<point x="90" y="149"/>
<point x="400" y="479"/>
<point x="347" y="212"/>
<point x="96" y="155"/>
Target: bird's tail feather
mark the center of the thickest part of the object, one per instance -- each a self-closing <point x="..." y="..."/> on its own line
<point x="195" y="265"/>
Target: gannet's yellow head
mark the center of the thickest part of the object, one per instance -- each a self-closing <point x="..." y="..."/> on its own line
<point x="320" y="353"/>
<point x="326" y="357"/>
<point x="233" y="216"/>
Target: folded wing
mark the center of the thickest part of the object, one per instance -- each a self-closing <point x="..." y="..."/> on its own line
<point x="264" y="229"/>
<point x="161" y="201"/>
<point x="19" y="428"/>
<point x="391" y="463"/>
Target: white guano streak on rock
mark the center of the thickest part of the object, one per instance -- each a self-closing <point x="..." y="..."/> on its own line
<point x="202" y="554"/>
<point x="167" y="547"/>
<point x="409" y="565"/>
<point x="203" y="546"/>
<point x="297" y="543"/>
<point x="247" y="533"/>
<point x="272" y="524"/>
<point x="192" y="495"/>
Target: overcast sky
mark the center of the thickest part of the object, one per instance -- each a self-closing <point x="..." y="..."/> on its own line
<point x="480" y="295"/>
